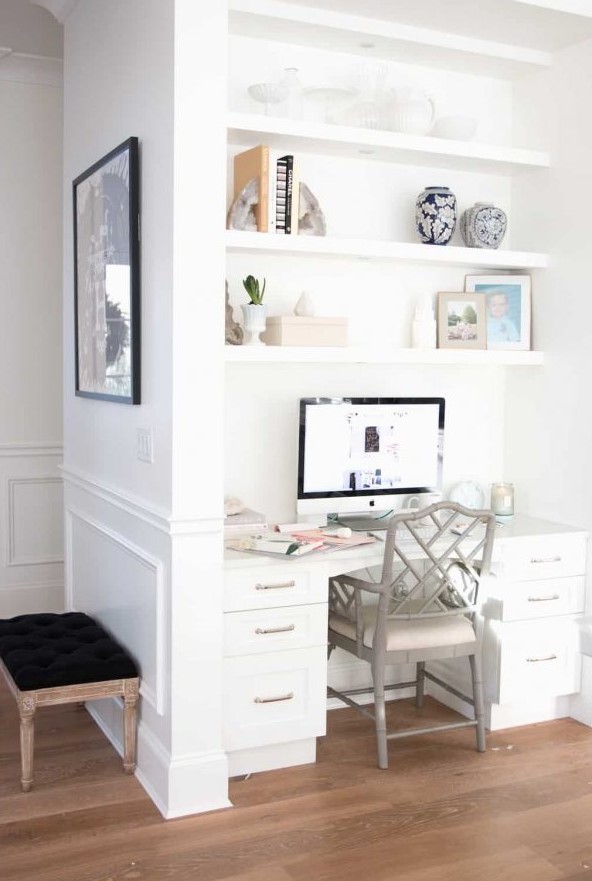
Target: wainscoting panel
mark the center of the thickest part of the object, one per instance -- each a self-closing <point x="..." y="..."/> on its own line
<point x="31" y="529"/>
<point x="35" y="521"/>
<point x="123" y="586"/>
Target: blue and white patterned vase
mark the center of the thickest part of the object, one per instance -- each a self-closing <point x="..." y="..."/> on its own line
<point x="435" y="215"/>
<point x="483" y="225"/>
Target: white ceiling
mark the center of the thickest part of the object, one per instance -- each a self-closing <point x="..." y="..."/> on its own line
<point x="28" y="29"/>
<point x="517" y="22"/>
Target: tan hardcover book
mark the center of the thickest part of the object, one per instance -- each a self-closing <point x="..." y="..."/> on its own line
<point x="254" y="163"/>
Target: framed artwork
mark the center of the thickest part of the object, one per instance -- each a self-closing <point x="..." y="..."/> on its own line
<point x="107" y="277"/>
<point x="507" y="299"/>
<point x="461" y="321"/>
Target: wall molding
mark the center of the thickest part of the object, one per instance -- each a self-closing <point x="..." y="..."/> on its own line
<point x="153" y="515"/>
<point x="11" y="557"/>
<point x="16" y="450"/>
<point x="155" y="697"/>
<point x="35" y="70"/>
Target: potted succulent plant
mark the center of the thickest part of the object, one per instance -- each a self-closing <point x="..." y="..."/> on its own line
<point x="254" y="312"/>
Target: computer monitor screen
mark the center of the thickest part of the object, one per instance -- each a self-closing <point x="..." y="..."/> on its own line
<point x="360" y="455"/>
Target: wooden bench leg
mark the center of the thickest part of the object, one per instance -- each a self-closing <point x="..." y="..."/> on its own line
<point x="130" y="725"/>
<point x="27" y="707"/>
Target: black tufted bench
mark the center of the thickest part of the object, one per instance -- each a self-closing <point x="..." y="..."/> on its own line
<point x="67" y="658"/>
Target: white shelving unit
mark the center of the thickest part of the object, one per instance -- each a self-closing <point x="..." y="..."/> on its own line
<point x="339" y="140"/>
<point x="474" y="43"/>
<point x="326" y="246"/>
<point x="363" y="355"/>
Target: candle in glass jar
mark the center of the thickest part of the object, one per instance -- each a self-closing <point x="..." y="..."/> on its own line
<point x="502" y="499"/>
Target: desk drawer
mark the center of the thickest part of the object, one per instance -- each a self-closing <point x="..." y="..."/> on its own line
<point x="523" y="600"/>
<point x="538" y="659"/>
<point x="268" y="630"/>
<point x="273" y="586"/>
<point x="551" y="556"/>
<point x="274" y="698"/>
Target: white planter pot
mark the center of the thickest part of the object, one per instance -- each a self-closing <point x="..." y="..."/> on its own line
<point x="254" y="322"/>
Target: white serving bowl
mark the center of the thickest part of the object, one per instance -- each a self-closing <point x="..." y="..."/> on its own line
<point x="457" y="128"/>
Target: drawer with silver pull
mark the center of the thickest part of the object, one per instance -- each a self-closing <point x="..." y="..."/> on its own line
<point x="274" y="698"/>
<point x="272" y="586"/>
<point x="278" y="629"/>
<point x="524" y="600"/>
<point x="536" y="558"/>
<point x="538" y="659"/>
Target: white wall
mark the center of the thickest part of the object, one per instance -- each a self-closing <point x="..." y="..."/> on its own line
<point x="549" y="417"/>
<point x="143" y="541"/>
<point x="31" y="571"/>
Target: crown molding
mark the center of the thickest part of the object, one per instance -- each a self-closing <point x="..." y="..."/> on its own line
<point x="60" y="9"/>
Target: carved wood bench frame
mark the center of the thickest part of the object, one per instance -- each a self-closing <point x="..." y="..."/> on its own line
<point x="28" y="701"/>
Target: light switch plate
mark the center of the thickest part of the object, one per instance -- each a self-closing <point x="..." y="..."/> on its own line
<point x="144" y="449"/>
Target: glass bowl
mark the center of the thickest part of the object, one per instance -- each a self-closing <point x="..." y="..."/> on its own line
<point x="268" y="93"/>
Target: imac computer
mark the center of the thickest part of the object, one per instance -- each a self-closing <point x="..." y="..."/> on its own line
<point x="360" y="456"/>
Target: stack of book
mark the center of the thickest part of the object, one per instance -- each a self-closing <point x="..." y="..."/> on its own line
<point x="278" y="175"/>
<point x="246" y="522"/>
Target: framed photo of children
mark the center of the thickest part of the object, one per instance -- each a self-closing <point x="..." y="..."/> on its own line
<point x="507" y="299"/>
<point x="461" y="321"/>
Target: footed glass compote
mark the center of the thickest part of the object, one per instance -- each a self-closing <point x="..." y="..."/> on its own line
<point x="268" y="93"/>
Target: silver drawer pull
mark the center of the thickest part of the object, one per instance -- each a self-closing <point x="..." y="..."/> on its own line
<point x="545" y="559"/>
<point x="260" y="630"/>
<point x="536" y="660"/>
<point x="274" y="700"/>
<point x="276" y="586"/>
<point x="554" y="596"/>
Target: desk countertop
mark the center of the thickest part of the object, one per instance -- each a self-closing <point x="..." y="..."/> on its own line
<point x="332" y="562"/>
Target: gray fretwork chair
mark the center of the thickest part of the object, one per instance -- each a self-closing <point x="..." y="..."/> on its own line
<point x="433" y="561"/>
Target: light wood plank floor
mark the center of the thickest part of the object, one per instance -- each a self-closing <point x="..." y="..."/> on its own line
<point x="442" y="812"/>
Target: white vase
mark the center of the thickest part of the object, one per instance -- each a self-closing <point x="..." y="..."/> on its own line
<point x="254" y="321"/>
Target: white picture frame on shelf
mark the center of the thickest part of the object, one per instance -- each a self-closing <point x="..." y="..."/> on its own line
<point x="461" y="321"/>
<point x="508" y="309"/>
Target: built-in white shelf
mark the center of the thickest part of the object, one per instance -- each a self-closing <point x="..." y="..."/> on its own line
<point x="375" y="355"/>
<point x="377" y="36"/>
<point x="337" y="140"/>
<point x="326" y="246"/>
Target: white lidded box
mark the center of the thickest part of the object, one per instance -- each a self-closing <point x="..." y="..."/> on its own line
<point x="296" y="330"/>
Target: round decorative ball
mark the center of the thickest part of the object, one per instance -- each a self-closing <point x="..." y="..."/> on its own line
<point x="483" y="226"/>
<point x="435" y="215"/>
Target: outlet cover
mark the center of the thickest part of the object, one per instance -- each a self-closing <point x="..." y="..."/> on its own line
<point x="144" y="449"/>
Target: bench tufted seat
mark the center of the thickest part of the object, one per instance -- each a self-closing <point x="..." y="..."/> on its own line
<point x="49" y="650"/>
<point x="65" y="658"/>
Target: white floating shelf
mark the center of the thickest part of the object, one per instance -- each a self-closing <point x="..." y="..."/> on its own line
<point x="325" y="246"/>
<point x="373" y="355"/>
<point x="343" y="32"/>
<point x="337" y="140"/>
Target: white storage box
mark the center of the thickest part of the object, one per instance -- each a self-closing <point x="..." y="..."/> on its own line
<point x="295" y="330"/>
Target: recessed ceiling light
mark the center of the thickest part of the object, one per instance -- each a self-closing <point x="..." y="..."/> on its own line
<point x="366" y="152"/>
<point x="367" y="45"/>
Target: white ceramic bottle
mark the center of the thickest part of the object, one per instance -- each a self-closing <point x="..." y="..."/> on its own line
<point x="423" y="328"/>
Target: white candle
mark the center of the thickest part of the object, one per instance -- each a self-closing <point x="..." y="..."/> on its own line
<point x="502" y="499"/>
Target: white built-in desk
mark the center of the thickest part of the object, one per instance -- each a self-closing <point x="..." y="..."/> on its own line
<point x="276" y="640"/>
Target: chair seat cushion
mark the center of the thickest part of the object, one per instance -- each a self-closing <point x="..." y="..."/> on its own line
<point x="410" y="635"/>
<point x="51" y="650"/>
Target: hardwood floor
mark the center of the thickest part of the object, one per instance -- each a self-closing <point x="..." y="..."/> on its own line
<point x="522" y="811"/>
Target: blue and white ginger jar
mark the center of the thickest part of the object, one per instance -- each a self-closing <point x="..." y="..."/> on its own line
<point x="435" y="215"/>
<point x="483" y="226"/>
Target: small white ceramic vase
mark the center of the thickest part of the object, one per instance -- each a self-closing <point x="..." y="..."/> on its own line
<point x="254" y="321"/>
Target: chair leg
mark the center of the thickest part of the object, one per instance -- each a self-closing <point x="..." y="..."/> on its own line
<point x="27" y="707"/>
<point x="380" y="716"/>
<point x="478" y="699"/>
<point x="419" y="688"/>
<point x="130" y="724"/>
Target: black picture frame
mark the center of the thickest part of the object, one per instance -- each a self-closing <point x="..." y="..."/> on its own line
<point x="106" y="210"/>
